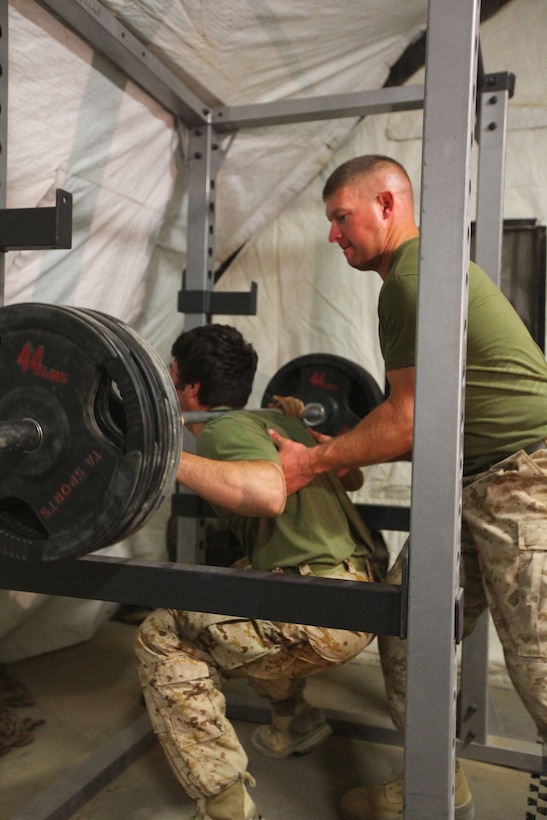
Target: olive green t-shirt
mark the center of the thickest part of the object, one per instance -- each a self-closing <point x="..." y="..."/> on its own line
<point x="319" y="523"/>
<point x="506" y="372"/>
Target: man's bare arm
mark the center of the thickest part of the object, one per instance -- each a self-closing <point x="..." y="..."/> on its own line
<point x="254" y="488"/>
<point x="352" y="479"/>
<point x="383" y="435"/>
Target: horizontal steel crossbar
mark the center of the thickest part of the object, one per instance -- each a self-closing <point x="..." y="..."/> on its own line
<point x="309" y="109"/>
<point x="367" y="607"/>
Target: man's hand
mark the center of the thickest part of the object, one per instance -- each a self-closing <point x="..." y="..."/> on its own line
<point x="290" y="405"/>
<point x="295" y="460"/>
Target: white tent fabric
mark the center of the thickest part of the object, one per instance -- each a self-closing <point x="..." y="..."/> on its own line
<point x="102" y="122"/>
<point x="76" y="122"/>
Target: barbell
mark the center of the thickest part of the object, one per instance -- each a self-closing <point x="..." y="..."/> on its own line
<point x="312" y="414"/>
<point x="90" y="428"/>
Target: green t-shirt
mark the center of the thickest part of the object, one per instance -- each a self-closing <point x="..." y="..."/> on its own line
<point x="506" y="372"/>
<point x="319" y="523"/>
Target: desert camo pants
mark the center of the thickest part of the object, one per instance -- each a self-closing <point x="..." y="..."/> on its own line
<point x="504" y="568"/>
<point x="181" y="660"/>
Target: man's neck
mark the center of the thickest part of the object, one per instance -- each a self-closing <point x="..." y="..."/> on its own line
<point x="404" y="236"/>
<point x="197" y="426"/>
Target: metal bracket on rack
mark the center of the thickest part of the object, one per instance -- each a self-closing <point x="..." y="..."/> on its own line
<point x="210" y="302"/>
<point x="37" y="228"/>
<point x="498" y="81"/>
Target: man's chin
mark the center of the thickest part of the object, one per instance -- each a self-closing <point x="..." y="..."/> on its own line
<point x="360" y="264"/>
<point x="352" y="260"/>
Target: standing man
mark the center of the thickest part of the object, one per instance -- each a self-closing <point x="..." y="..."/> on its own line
<point x="182" y="656"/>
<point x="369" y="203"/>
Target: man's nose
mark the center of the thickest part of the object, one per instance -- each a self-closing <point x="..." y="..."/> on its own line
<point x="334" y="233"/>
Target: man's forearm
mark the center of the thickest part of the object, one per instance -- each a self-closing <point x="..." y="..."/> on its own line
<point x="255" y="488"/>
<point x="384" y="435"/>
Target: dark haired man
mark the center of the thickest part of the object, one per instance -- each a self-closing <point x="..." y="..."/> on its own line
<point x="369" y="204"/>
<point x="182" y="656"/>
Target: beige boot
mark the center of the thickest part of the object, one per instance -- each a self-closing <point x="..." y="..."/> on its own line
<point x="386" y="802"/>
<point x="234" y="803"/>
<point x="297" y="733"/>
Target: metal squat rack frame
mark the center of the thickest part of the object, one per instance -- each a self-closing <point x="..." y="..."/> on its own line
<point x="428" y="603"/>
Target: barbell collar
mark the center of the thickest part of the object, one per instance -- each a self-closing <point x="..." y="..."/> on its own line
<point x="20" y="436"/>
<point x="313" y="414"/>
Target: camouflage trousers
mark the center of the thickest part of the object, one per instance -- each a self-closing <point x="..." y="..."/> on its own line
<point x="503" y="568"/>
<point x="181" y="660"/>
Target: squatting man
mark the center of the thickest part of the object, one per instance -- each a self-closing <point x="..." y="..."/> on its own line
<point x="369" y="204"/>
<point x="183" y="656"/>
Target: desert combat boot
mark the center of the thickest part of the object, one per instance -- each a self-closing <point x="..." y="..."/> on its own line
<point x="297" y="733"/>
<point x="234" y="803"/>
<point x="386" y="802"/>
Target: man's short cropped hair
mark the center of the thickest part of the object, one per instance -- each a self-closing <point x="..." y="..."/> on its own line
<point x="219" y="358"/>
<point x="356" y="167"/>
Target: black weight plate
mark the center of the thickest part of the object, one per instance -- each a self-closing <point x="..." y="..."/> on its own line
<point x="346" y="390"/>
<point x="113" y="414"/>
<point x="170" y="429"/>
<point x="65" y="498"/>
<point x="165" y="416"/>
<point x="137" y="514"/>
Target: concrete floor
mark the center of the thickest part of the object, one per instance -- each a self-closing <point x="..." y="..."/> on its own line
<point x="88" y="694"/>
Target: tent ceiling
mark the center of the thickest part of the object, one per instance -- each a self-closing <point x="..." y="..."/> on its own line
<point x="241" y="53"/>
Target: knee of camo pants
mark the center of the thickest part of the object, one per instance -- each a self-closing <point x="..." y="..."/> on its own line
<point x="186" y="708"/>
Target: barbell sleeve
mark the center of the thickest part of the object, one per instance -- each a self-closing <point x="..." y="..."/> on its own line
<point x="20" y="436"/>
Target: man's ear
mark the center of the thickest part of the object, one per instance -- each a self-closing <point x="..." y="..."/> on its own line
<point x="386" y="203"/>
<point x="193" y="389"/>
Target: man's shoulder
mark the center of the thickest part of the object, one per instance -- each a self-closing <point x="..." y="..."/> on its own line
<point x="228" y="421"/>
<point x="233" y="435"/>
<point x="250" y="418"/>
<point x="254" y="424"/>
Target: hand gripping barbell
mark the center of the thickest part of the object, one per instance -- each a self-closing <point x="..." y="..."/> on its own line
<point x="90" y="427"/>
